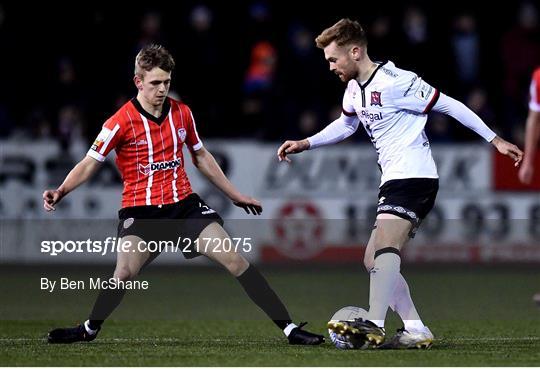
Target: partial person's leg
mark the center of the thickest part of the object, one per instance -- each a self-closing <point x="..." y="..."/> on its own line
<point x="389" y="288"/>
<point x="128" y="264"/>
<point x="401" y="301"/>
<point x="390" y="235"/>
<point x="255" y="285"/>
<point x="383" y="259"/>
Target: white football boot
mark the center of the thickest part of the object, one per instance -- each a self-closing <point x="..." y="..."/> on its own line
<point x="405" y="339"/>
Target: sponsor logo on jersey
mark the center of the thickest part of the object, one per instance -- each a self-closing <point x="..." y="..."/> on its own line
<point x="101" y="138"/>
<point x="137" y="143"/>
<point x="389" y="72"/>
<point x="424" y="91"/>
<point x="376" y="98"/>
<point x="410" y="85"/>
<point x="162" y="165"/>
<point x="371" y="116"/>
<point x="182" y="134"/>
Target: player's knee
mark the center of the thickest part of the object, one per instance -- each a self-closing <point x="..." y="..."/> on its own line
<point x="236" y="265"/>
<point x="369" y="262"/>
<point x="369" y="256"/>
<point x="124" y="273"/>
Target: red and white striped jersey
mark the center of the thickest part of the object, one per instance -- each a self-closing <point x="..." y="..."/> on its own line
<point x="534" y="101"/>
<point x="149" y="151"/>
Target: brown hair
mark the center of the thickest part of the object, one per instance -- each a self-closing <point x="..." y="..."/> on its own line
<point x="153" y="56"/>
<point x="344" y="32"/>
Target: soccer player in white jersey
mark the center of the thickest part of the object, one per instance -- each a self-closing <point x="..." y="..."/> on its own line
<point x="392" y="104"/>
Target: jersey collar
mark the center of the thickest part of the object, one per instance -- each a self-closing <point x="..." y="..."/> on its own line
<point x="363" y="86"/>
<point x="150" y="117"/>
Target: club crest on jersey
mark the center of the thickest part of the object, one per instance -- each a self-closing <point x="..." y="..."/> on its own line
<point x="376" y="98"/>
<point x="182" y="134"/>
<point x="128" y="222"/>
<point x="162" y="165"/>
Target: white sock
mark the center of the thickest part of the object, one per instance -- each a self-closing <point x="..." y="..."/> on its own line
<point x="414" y="325"/>
<point x="288" y="329"/>
<point x="382" y="284"/>
<point x="87" y="327"/>
<point x="403" y="304"/>
<point x="378" y="323"/>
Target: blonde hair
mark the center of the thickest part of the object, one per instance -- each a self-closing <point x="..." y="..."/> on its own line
<point x="344" y="32"/>
<point x="153" y="56"/>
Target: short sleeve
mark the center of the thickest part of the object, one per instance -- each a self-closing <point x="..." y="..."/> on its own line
<point x="192" y="137"/>
<point x="411" y="92"/>
<point x="534" y="101"/>
<point x="347" y="105"/>
<point x="106" y="141"/>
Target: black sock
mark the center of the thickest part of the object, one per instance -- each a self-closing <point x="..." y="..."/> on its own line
<point x="106" y="302"/>
<point x="260" y="292"/>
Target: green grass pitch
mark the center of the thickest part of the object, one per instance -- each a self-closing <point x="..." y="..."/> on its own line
<point x="201" y="317"/>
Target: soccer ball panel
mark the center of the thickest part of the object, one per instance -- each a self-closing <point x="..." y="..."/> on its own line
<point x="348" y="313"/>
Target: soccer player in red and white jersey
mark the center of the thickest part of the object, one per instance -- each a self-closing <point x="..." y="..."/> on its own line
<point x="532" y="130"/>
<point x="148" y="134"/>
<point x="392" y="104"/>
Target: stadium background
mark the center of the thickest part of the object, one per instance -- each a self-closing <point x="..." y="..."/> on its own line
<point x="254" y="78"/>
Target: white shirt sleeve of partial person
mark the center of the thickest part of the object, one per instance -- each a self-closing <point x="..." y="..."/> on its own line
<point x="457" y="110"/>
<point x="335" y="132"/>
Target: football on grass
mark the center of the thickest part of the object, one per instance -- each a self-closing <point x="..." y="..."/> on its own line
<point x="348" y="314"/>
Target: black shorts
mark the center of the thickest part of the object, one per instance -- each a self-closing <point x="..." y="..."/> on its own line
<point x="410" y="198"/>
<point x="181" y="222"/>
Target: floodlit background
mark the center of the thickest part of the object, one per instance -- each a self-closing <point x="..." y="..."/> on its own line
<point x="254" y="78"/>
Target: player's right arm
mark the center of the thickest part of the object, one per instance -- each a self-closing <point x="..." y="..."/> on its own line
<point x="335" y="132"/>
<point x="81" y="173"/>
<point x="109" y="137"/>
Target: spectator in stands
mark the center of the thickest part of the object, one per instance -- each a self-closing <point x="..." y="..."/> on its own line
<point x="520" y="55"/>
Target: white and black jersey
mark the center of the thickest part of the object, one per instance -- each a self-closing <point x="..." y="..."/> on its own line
<point x="392" y="106"/>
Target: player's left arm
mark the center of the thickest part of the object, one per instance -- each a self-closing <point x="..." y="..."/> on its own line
<point x="207" y="165"/>
<point x="457" y="110"/>
<point x="205" y="162"/>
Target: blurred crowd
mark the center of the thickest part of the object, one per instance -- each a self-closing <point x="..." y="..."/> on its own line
<point x="255" y="72"/>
